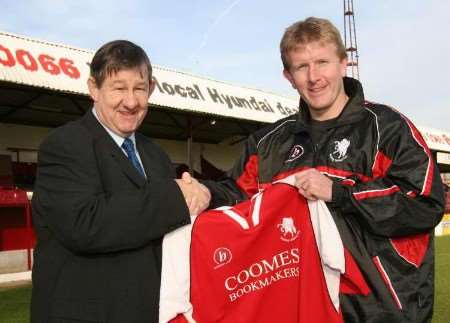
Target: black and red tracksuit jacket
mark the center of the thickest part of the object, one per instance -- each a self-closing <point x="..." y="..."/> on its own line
<point x="387" y="198"/>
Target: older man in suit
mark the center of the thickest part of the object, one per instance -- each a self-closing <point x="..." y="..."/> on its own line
<point x="105" y="196"/>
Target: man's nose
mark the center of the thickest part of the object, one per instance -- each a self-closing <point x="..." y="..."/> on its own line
<point x="313" y="73"/>
<point x="130" y="100"/>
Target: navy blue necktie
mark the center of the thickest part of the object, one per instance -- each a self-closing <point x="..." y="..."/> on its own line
<point x="128" y="146"/>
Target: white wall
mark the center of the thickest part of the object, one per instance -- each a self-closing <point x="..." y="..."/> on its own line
<point x="18" y="136"/>
<point x="221" y="155"/>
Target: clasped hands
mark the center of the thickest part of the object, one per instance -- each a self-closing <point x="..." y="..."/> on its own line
<point x="197" y="195"/>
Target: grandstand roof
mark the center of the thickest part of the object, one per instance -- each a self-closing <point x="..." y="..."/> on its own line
<point x="65" y="69"/>
<point x="44" y="83"/>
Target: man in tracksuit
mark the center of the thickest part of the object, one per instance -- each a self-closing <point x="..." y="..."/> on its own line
<point x="366" y="160"/>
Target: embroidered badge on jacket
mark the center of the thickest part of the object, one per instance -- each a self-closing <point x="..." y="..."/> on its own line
<point x="340" y="150"/>
<point x="295" y="152"/>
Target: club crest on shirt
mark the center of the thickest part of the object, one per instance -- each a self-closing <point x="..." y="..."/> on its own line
<point x="288" y="230"/>
<point x="340" y="148"/>
<point x="295" y="152"/>
<point x="222" y="256"/>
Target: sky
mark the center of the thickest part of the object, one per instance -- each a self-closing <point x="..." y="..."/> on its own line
<point x="403" y="46"/>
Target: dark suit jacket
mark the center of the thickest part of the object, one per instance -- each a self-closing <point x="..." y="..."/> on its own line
<point x="99" y="225"/>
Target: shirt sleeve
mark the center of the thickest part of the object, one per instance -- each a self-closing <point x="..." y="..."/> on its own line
<point x="239" y="183"/>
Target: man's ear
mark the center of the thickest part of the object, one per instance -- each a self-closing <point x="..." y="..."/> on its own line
<point x="93" y="89"/>
<point x="152" y="86"/>
<point x="287" y="75"/>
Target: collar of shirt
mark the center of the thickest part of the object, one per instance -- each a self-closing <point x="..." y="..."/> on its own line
<point x="117" y="139"/>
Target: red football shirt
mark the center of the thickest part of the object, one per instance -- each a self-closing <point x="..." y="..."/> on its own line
<point x="259" y="262"/>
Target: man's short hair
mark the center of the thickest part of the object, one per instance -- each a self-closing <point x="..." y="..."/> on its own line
<point x="115" y="56"/>
<point x="311" y="29"/>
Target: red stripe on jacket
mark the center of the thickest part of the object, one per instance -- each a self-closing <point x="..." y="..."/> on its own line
<point x="412" y="248"/>
<point x="387" y="281"/>
<point x="426" y="189"/>
<point x="248" y="181"/>
<point x="376" y="193"/>
<point x="381" y="165"/>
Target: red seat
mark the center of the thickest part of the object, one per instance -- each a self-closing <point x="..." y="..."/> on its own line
<point x="13" y="197"/>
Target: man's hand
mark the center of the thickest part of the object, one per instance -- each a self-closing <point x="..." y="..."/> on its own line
<point x="197" y="195"/>
<point x="313" y="185"/>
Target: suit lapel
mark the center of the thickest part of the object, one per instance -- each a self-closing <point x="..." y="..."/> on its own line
<point x="145" y="158"/>
<point x="127" y="167"/>
<point x="153" y="160"/>
<point x="105" y="145"/>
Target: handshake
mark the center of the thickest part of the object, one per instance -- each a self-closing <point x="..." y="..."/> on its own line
<point x="197" y="195"/>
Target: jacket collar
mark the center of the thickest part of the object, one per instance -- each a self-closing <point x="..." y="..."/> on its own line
<point x="353" y="110"/>
<point x="105" y="144"/>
